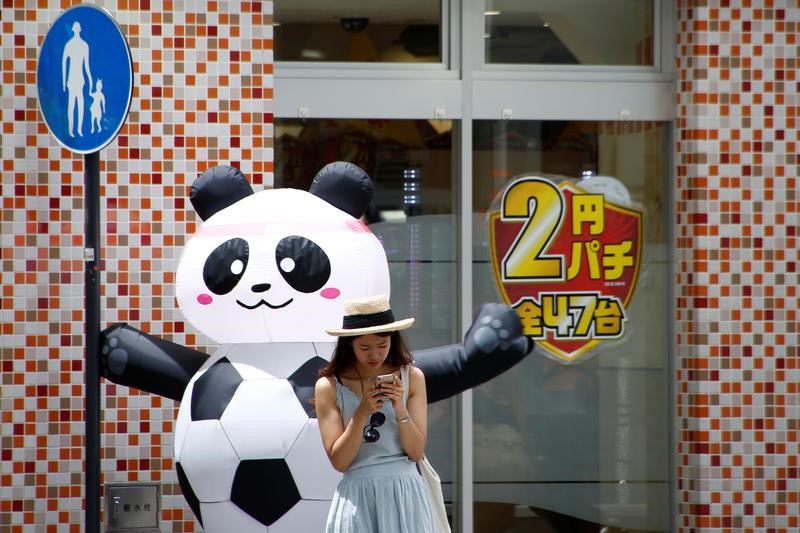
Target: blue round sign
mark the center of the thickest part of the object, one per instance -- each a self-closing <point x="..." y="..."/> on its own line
<point x="85" y="79"/>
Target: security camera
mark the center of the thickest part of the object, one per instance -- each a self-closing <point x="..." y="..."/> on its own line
<point x="354" y="24"/>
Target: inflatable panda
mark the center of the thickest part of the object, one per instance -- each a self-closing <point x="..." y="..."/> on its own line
<point x="264" y="275"/>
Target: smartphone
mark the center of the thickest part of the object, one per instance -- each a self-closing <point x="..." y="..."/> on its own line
<point x="384" y="378"/>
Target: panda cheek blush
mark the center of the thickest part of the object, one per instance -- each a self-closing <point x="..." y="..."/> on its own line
<point x="204" y="299"/>
<point x="330" y="293"/>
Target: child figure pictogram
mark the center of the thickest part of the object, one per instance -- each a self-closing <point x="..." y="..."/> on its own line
<point x="98" y="106"/>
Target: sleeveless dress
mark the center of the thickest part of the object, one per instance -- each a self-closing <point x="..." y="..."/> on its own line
<point x="382" y="491"/>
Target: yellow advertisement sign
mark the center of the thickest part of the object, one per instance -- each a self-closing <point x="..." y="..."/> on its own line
<point x="567" y="261"/>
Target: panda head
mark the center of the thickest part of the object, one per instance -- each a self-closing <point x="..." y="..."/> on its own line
<point x="277" y="265"/>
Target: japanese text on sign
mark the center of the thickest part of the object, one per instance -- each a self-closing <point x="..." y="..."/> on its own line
<point x="571" y="315"/>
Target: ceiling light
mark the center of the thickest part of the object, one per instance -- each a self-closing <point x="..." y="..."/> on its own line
<point x="490" y="13"/>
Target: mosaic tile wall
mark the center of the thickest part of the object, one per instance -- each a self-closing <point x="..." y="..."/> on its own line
<point x="203" y="96"/>
<point x="737" y="272"/>
<point x="203" y="76"/>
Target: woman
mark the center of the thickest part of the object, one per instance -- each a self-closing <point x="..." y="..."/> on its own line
<point x="369" y="432"/>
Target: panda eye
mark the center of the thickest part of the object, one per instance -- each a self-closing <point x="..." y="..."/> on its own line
<point x="302" y="263"/>
<point x="225" y="266"/>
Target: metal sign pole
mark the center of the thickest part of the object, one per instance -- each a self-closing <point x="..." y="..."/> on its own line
<point x="92" y="293"/>
<point x="85" y="57"/>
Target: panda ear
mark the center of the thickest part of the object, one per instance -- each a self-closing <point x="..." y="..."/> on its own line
<point x="217" y="188"/>
<point x="344" y="185"/>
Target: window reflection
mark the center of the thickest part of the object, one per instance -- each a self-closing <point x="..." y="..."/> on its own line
<point x="581" y="447"/>
<point x="569" y="32"/>
<point x="399" y="155"/>
<point x="410" y="162"/>
<point x="361" y="32"/>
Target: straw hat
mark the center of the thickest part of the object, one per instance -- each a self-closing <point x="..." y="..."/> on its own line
<point x="363" y="316"/>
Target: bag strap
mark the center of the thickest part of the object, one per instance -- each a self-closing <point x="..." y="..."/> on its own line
<point x="404" y="377"/>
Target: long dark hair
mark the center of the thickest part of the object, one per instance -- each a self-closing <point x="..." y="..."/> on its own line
<point x="344" y="357"/>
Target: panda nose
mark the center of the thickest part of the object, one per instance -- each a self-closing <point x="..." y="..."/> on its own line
<point x="261" y="287"/>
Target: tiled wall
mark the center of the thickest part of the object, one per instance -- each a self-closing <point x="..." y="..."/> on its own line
<point x="203" y="76"/>
<point x="737" y="271"/>
<point x="203" y="96"/>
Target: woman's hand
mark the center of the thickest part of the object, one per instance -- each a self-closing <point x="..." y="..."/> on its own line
<point x="394" y="393"/>
<point x="372" y="400"/>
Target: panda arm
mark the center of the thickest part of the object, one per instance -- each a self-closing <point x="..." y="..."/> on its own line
<point x="493" y="344"/>
<point x="133" y="358"/>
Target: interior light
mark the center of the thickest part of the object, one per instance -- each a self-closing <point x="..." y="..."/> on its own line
<point x="393" y="215"/>
<point x="490" y="13"/>
<point x="311" y="54"/>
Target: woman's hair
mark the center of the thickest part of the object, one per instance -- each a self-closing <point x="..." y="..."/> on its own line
<point x="344" y="357"/>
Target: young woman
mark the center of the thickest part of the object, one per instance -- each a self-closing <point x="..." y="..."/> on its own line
<point x="369" y="431"/>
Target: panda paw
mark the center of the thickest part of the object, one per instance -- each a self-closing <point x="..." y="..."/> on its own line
<point x="497" y="329"/>
<point x="113" y="355"/>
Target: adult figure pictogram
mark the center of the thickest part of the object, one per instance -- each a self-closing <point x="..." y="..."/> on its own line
<point x="74" y="61"/>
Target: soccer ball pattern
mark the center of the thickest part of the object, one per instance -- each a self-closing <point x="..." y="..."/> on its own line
<point x="236" y="457"/>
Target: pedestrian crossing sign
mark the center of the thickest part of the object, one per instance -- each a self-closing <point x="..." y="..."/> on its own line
<point x="84" y="79"/>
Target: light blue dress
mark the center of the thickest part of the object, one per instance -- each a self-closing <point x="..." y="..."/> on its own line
<point x="382" y="491"/>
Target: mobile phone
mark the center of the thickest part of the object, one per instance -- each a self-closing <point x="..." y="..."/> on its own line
<point x="384" y="378"/>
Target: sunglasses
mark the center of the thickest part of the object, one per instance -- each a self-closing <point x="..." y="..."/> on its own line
<point x="370" y="433"/>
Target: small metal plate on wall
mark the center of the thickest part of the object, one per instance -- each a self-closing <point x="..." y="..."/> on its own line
<point x="132" y="507"/>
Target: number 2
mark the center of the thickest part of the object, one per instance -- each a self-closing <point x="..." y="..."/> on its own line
<point x="540" y="203"/>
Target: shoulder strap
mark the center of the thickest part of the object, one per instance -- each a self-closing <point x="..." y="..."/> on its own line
<point x="404" y="377"/>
